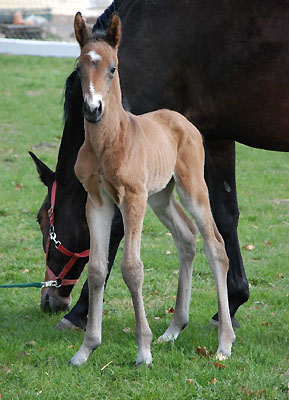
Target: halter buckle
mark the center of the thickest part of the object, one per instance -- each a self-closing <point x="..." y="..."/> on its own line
<point x="47" y="284"/>
<point x="52" y="236"/>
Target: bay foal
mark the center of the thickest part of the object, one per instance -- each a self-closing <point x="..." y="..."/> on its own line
<point x="131" y="160"/>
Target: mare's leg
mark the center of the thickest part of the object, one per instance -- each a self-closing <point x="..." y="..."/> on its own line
<point x="184" y="233"/>
<point x="133" y="211"/>
<point x="77" y="317"/>
<point x="99" y="221"/>
<point x="220" y="178"/>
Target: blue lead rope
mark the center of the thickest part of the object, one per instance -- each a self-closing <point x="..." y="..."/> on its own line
<point x="39" y="285"/>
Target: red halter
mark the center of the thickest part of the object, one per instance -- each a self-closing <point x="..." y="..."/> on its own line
<point x="52" y="236"/>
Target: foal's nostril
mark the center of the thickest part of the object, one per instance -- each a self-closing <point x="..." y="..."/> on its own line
<point x="86" y="107"/>
<point x="99" y="108"/>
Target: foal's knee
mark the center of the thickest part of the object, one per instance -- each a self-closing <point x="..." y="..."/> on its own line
<point x="132" y="272"/>
<point x="96" y="275"/>
<point x="218" y="253"/>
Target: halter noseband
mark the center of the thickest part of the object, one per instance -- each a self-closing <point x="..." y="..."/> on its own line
<point x="52" y="237"/>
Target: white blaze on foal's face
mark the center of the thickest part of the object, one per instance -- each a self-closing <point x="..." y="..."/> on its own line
<point x="92" y="98"/>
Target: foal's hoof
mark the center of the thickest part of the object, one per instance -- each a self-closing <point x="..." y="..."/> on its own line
<point x="170" y="335"/>
<point x="78" y="359"/>
<point x="235" y="323"/>
<point x="221" y="356"/>
<point x="165" y="338"/>
<point x="144" y="359"/>
<point x="64" y="324"/>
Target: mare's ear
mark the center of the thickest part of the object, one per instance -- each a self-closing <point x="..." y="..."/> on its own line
<point x="80" y="29"/>
<point x="45" y="174"/>
<point x="113" y="34"/>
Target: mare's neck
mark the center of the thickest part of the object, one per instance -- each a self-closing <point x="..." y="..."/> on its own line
<point x="72" y="137"/>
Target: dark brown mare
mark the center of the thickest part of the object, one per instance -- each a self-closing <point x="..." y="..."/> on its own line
<point x="130" y="161"/>
<point x="223" y="65"/>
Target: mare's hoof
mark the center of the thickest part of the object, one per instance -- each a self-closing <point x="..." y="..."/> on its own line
<point x="235" y="323"/>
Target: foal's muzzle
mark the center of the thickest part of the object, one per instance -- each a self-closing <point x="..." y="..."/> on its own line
<point x="93" y="115"/>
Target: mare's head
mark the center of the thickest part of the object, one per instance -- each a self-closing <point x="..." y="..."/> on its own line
<point x="70" y="228"/>
<point x="97" y="65"/>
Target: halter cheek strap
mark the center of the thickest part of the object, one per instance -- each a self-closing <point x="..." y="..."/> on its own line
<point x="52" y="237"/>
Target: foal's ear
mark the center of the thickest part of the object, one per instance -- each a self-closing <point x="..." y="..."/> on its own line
<point x="45" y="174"/>
<point x="80" y="29"/>
<point x="113" y="34"/>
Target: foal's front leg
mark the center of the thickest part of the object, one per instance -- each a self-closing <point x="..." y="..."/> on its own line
<point x="133" y="211"/>
<point x="99" y="221"/>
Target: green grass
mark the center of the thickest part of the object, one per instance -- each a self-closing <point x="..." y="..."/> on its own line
<point x="33" y="355"/>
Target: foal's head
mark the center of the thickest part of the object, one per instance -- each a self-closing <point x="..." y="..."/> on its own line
<point x="97" y="64"/>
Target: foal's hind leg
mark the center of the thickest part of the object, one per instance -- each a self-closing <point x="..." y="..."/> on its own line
<point x="195" y="199"/>
<point x="99" y="221"/>
<point x="133" y="211"/>
<point x="184" y="233"/>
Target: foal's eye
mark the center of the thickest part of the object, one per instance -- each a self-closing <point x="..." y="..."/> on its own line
<point x="112" y="71"/>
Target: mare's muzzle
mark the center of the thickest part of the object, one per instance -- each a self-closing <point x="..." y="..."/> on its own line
<point x="93" y="115"/>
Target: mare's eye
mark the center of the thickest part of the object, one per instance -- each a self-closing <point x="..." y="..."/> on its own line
<point x="112" y="71"/>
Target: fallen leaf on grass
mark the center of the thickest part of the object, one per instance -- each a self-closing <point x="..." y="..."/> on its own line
<point x="248" y="247"/>
<point x="26" y="270"/>
<point x="271" y="285"/>
<point x="281" y="275"/>
<point x="126" y="330"/>
<point x="265" y="323"/>
<point x="170" y="310"/>
<point x="213" y="381"/>
<point x="247" y="391"/>
<point x="32" y="343"/>
<point x="22" y="354"/>
<point x="168" y="234"/>
<point x="219" y="365"/>
<point x="18" y="186"/>
<point x="251" y="393"/>
<point x="189" y="380"/>
<point x="267" y="242"/>
<point x="6" y="369"/>
<point x="168" y="252"/>
<point x="203" y="352"/>
<point x="176" y="271"/>
<point x="156" y="318"/>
